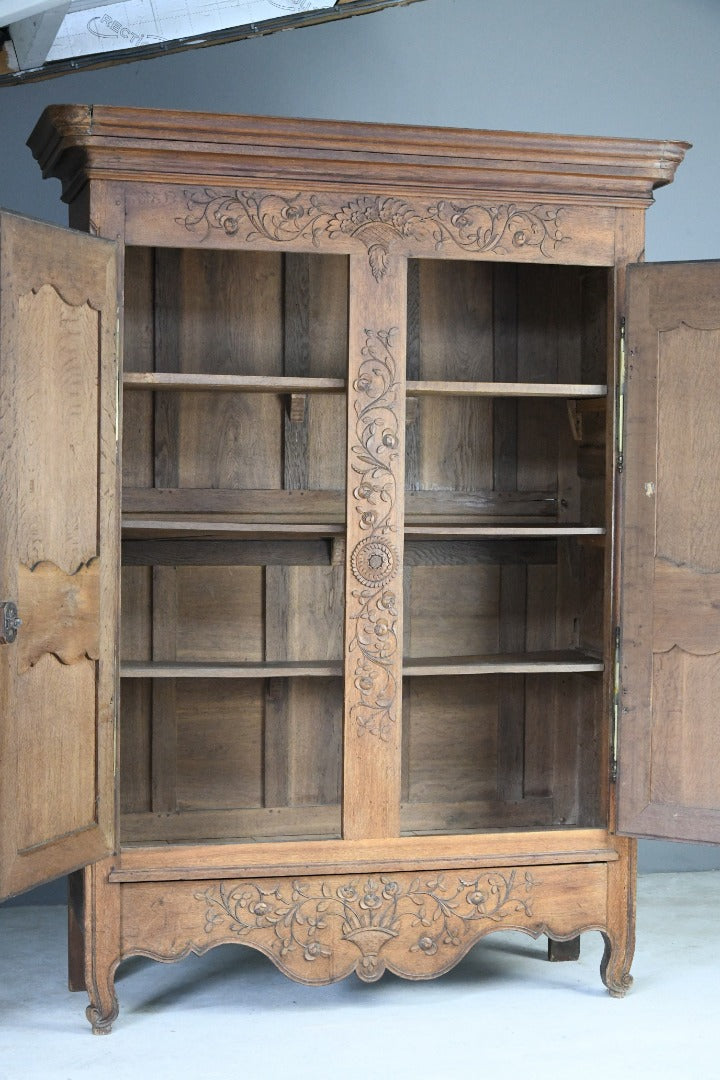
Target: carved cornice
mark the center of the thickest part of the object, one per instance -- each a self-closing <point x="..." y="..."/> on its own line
<point x="76" y="143"/>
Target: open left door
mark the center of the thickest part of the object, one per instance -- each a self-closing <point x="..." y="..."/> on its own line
<point x="59" y="549"/>
<point x="669" y="707"/>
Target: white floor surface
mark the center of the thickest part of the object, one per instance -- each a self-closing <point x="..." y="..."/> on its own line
<point x="503" y="1012"/>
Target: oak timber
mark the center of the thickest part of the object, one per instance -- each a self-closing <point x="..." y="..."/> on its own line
<point x="400" y="552"/>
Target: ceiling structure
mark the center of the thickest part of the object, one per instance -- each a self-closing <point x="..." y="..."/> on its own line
<point x="43" y="38"/>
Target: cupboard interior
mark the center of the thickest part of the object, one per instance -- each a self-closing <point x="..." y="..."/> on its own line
<point x="233" y="545"/>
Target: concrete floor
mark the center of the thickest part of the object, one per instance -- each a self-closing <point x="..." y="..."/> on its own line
<point x="504" y="1011"/>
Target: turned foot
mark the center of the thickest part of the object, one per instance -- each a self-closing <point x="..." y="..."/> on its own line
<point x="560" y="951"/>
<point x="102" y="1022"/>
<point x="103" y="1008"/>
<point x="615" y="968"/>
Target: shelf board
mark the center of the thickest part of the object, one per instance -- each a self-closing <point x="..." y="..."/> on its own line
<point x="282" y="384"/>
<point x="249" y="384"/>
<point x="506" y="389"/>
<point x="501" y="530"/>
<point x="539" y="663"/>
<point x="501" y="663"/>
<point x="205" y="527"/>
<point x="269" y="669"/>
<point x="227" y="526"/>
<point x="311" y="506"/>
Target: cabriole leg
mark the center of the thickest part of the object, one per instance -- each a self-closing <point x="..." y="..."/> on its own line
<point x="620" y="934"/>
<point x="102" y="947"/>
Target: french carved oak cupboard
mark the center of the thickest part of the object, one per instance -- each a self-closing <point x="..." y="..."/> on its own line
<point x="368" y="594"/>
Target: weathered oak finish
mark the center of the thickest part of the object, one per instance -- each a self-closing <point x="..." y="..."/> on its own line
<point x="671" y="556"/>
<point x="369" y="538"/>
<point x="58" y="549"/>
<point x="374" y="566"/>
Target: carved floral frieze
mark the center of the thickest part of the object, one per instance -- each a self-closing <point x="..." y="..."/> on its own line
<point x="380" y="224"/>
<point x="374" y="561"/>
<point x="407" y="922"/>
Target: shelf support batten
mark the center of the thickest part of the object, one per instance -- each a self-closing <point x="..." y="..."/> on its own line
<point x="373" y="579"/>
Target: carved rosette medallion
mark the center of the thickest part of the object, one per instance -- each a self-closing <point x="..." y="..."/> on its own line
<point x="408" y="923"/>
<point x="374" y="562"/>
<point x="380" y="224"/>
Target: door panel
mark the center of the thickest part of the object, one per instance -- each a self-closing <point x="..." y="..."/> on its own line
<point x="669" y="717"/>
<point x="58" y="548"/>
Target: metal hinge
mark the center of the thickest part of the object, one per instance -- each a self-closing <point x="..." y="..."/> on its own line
<point x="620" y="401"/>
<point x="9" y="622"/>
<point x="615" y="705"/>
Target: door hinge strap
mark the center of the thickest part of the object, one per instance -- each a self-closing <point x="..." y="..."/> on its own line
<point x="615" y="704"/>
<point x="620" y="400"/>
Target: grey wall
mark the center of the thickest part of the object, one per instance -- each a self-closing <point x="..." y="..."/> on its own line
<point x="646" y="68"/>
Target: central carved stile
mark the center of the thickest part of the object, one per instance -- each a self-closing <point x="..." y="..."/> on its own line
<point x="374" y="579"/>
<point x="374" y="559"/>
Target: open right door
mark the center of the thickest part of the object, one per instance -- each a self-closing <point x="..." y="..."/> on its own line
<point x="669" y="703"/>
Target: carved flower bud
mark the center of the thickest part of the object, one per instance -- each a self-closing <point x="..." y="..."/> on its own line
<point x="427" y="945"/>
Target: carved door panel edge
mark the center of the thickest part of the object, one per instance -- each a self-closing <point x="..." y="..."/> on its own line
<point x="59" y="548"/>
<point x="669" y="731"/>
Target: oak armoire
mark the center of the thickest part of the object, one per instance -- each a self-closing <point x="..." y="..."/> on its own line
<point x="360" y="560"/>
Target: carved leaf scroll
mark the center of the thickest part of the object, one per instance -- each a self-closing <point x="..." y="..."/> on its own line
<point x="380" y="223"/>
<point x="502" y="228"/>
<point x="374" y="561"/>
<point x="368" y="922"/>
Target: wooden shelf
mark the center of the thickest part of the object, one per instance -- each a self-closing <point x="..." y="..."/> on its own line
<point x="316" y="505"/>
<point x="277" y="384"/>
<point x="206" y="527"/>
<point x="227" y="527"/>
<point x="501" y="530"/>
<point x="540" y="663"/>
<point x="135" y="669"/>
<point x="249" y="384"/>
<point x="501" y="663"/>
<point x="506" y="389"/>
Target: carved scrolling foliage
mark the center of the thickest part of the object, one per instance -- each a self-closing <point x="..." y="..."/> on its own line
<point x="352" y="923"/>
<point x="374" y="561"/>
<point x="381" y="224"/>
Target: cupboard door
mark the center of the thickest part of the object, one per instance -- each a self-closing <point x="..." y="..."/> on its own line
<point x="669" y="723"/>
<point x="58" y="549"/>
